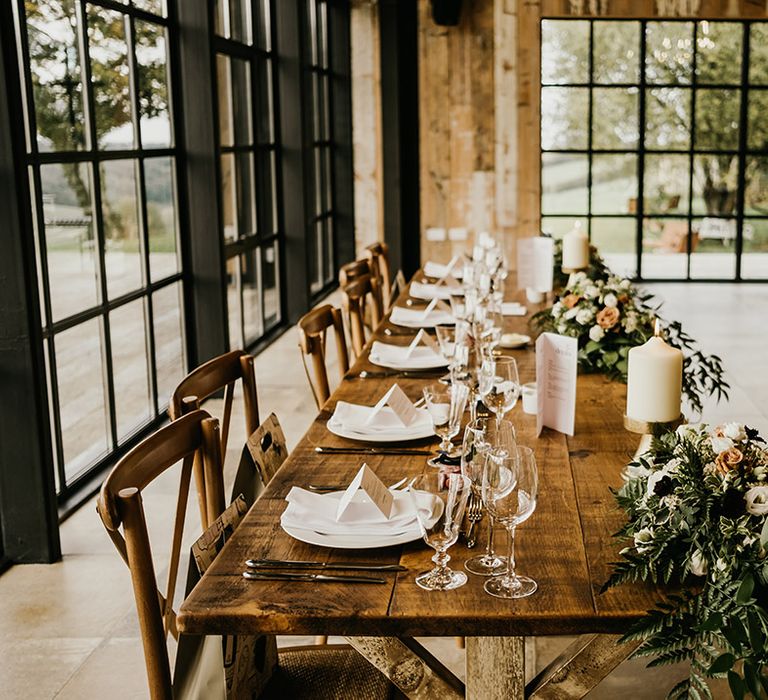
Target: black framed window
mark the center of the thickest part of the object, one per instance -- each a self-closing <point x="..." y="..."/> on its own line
<point x="651" y="136"/>
<point x="102" y="166"/>
<point x="319" y="145"/>
<point x="248" y="151"/>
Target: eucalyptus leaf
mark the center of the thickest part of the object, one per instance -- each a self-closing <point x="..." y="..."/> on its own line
<point x="722" y="664"/>
<point x="736" y="683"/>
<point x="744" y="594"/>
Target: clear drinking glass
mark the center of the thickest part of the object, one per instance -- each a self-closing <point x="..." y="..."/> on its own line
<point x="499" y="384"/>
<point x="446" y="406"/>
<point x="481" y="436"/>
<point x="510" y="485"/>
<point x="440" y="500"/>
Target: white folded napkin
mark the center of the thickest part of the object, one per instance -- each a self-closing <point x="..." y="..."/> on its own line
<point x="428" y="292"/>
<point x="434" y="269"/>
<point x="353" y="417"/>
<point x="397" y="355"/>
<point x="513" y="308"/>
<point x="414" y="318"/>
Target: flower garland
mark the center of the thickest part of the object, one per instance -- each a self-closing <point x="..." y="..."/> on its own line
<point x="697" y="504"/>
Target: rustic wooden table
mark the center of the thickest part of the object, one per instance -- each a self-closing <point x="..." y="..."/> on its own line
<point x="566" y="546"/>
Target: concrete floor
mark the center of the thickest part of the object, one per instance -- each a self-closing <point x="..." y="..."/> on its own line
<point x="69" y="630"/>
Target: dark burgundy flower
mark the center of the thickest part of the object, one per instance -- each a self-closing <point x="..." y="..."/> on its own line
<point x="664" y="486"/>
<point x="732" y="505"/>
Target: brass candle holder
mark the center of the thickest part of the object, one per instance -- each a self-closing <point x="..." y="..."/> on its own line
<point x="650" y="429"/>
<point x="571" y="270"/>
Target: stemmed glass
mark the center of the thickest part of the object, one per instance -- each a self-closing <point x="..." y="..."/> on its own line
<point x="480" y="437"/>
<point x="499" y="385"/>
<point x="446" y="405"/>
<point x="510" y="484"/>
<point x="440" y="500"/>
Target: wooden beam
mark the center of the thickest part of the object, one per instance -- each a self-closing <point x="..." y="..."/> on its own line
<point x="495" y="668"/>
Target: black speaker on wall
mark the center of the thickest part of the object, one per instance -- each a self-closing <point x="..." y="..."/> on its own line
<point x="446" y="13"/>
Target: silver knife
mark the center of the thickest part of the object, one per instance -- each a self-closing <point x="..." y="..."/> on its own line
<point x="290" y="564"/>
<point x="370" y="450"/>
<point x="320" y="578"/>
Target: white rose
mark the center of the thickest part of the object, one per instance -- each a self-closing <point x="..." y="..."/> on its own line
<point x="557" y="308"/>
<point x="562" y="328"/>
<point x="584" y="316"/>
<point x="721" y="444"/>
<point x="757" y="500"/>
<point x="625" y="284"/>
<point x="698" y="563"/>
<point x="610" y="299"/>
<point x="643" y="538"/>
<point x="687" y="430"/>
<point x="591" y="292"/>
<point x="571" y="313"/>
<point x="735" y="431"/>
<point x="576" y="278"/>
<point x="596" y="333"/>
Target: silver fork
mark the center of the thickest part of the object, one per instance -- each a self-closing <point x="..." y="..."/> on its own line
<point x="474" y="515"/>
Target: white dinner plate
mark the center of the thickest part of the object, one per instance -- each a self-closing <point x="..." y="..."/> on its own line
<point x="510" y="341"/>
<point x="352" y="541"/>
<point x="430" y="361"/>
<point x="341" y="431"/>
<point x="416" y="319"/>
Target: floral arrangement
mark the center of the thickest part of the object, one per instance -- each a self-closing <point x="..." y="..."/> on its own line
<point x="608" y="316"/>
<point x="697" y="503"/>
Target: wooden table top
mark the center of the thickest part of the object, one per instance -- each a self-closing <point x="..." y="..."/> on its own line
<point x="566" y="545"/>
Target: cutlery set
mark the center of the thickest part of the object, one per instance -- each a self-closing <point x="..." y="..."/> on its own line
<point x="273" y="570"/>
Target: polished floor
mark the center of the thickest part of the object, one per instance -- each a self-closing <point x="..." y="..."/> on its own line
<point x="69" y="630"/>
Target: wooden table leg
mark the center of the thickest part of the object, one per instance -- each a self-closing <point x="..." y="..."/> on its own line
<point x="495" y="668"/>
<point x="580" y="667"/>
<point x="418" y="674"/>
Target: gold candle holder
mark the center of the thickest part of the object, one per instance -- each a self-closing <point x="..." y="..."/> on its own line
<point x="649" y="429"/>
<point x="571" y="270"/>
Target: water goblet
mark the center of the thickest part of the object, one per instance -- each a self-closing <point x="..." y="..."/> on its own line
<point x="499" y="384"/>
<point x="446" y="406"/>
<point x="481" y="436"/>
<point x="440" y="500"/>
<point x="509" y="489"/>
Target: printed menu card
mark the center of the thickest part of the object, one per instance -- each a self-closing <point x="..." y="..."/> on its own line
<point x="556" y="382"/>
<point x="535" y="263"/>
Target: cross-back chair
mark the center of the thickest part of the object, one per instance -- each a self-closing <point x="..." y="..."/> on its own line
<point x="213" y="376"/>
<point x="358" y="295"/>
<point x="313" y="330"/>
<point x="193" y="437"/>
<point x="378" y="259"/>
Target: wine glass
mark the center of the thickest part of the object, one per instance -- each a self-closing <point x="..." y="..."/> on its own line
<point x="446" y="406"/>
<point x="499" y="384"/>
<point x="510" y="484"/>
<point x="439" y="500"/>
<point x="481" y="436"/>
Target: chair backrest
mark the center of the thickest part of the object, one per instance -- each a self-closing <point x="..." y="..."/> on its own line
<point x="267" y="447"/>
<point x="378" y="258"/>
<point x="354" y="270"/>
<point x="219" y="373"/>
<point x="193" y="437"/>
<point x="356" y="296"/>
<point x="313" y="327"/>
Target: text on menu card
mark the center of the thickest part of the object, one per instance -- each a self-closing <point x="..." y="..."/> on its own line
<point x="367" y="481"/>
<point x="535" y="263"/>
<point x="400" y="404"/>
<point x="556" y="382"/>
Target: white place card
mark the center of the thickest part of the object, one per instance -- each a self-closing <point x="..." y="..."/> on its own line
<point x="377" y="492"/>
<point x="422" y="337"/>
<point x="535" y="263"/>
<point x="400" y="404"/>
<point x="556" y="382"/>
<point x="435" y="304"/>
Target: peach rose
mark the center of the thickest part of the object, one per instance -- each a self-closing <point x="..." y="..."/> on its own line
<point x="728" y="460"/>
<point x="570" y="300"/>
<point x="608" y="317"/>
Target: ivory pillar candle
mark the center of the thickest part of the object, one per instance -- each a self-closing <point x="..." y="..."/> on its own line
<point x="654" y="382"/>
<point x="576" y="249"/>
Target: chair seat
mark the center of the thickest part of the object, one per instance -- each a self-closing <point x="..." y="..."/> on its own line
<point x="332" y="672"/>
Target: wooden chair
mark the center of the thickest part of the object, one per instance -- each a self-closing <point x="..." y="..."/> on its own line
<point x="192" y="437"/>
<point x="358" y="295"/>
<point x="378" y="259"/>
<point x="313" y="328"/>
<point x="354" y="271"/>
<point x="219" y="373"/>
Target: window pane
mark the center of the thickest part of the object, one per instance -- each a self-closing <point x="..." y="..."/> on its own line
<point x="714" y="184"/>
<point x="615" y="118"/>
<point x="564" y="183"/>
<point x="614" y="184"/>
<point x="330" y="261"/>
<point x="666" y="184"/>
<point x="168" y="323"/>
<point x="241" y="102"/>
<point x="317" y="161"/>
<point x="558" y="226"/>
<point x="270" y="270"/>
<point x="717" y="119"/>
<point x="54" y="62"/>
<point x="665" y="242"/>
<point x="220" y="16"/>
<point x="110" y="78"/>
<point x="616" y="239"/>
<point x="233" y="304"/>
<point x="224" y="88"/>
<point x="667" y="118"/>
<point x="564" y="51"/>
<point x="669" y="52"/>
<point x="253" y="320"/>
<point x="756" y="180"/>
<point x="246" y="207"/>
<point x="564" y="117"/>
<point x="160" y="182"/>
<point x="758" y="53"/>
<point x="713" y="248"/>
<point x="240" y="20"/>
<point x="758" y="124"/>
<point x="267" y="205"/>
<point x="754" y="258"/>
<point x="120" y="216"/>
<point x="616" y="52"/>
<point x="718" y="58"/>
<point x="82" y="396"/>
<point x="151" y="57"/>
<point x="70" y="243"/>
<point x="156" y="7"/>
<point x="130" y="369"/>
<point x="263" y="31"/>
<point x="265" y="130"/>
<point x="228" y="197"/>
